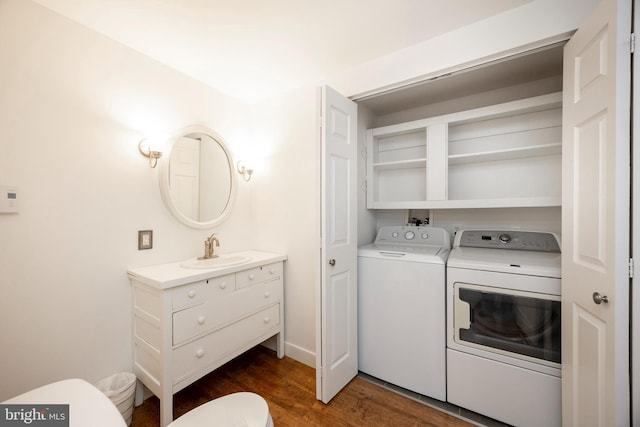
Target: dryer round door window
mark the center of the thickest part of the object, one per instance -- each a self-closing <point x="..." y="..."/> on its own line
<point x="519" y="323"/>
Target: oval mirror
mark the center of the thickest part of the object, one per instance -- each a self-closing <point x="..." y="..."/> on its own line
<point x="197" y="179"/>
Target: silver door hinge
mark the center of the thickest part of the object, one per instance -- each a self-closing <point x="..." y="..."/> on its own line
<point x="631" y="268"/>
<point x="633" y="42"/>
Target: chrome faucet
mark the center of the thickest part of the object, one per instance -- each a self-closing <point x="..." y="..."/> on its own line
<point x="209" y="247"/>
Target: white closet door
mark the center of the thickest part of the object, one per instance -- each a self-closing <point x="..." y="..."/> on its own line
<point x="337" y="346"/>
<point x="595" y="220"/>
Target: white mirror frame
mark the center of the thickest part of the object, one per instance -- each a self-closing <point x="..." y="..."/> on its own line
<point x="164" y="180"/>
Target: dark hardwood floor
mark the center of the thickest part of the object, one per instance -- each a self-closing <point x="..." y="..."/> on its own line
<point x="289" y="388"/>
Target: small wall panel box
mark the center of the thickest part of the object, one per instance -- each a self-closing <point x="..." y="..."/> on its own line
<point x="8" y="199"/>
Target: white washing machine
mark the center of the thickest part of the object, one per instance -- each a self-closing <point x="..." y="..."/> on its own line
<point x="503" y="326"/>
<point x="401" y="308"/>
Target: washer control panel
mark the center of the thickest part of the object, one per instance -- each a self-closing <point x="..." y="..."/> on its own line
<point x="413" y="235"/>
<point x="509" y="239"/>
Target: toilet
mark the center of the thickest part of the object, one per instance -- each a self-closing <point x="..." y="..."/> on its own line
<point x="242" y="409"/>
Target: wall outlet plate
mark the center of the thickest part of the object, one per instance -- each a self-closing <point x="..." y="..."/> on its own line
<point x="145" y="239"/>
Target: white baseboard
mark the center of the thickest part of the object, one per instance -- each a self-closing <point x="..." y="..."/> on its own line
<point x="300" y="354"/>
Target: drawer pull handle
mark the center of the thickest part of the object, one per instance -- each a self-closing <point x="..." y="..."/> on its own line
<point x="267" y="294"/>
<point x="199" y="353"/>
<point x="223" y="285"/>
<point x="192" y="293"/>
<point x="252" y="276"/>
<point x="272" y="271"/>
<point x="266" y="320"/>
<point x="201" y="320"/>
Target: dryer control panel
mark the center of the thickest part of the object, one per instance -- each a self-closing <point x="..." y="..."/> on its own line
<point x="508" y="239"/>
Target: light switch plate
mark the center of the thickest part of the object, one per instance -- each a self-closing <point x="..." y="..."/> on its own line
<point x="145" y="239"/>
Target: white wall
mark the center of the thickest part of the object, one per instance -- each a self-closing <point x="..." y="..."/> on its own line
<point x="73" y="106"/>
<point x="287" y="206"/>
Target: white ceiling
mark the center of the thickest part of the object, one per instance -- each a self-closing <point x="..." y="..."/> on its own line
<point x="253" y="49"/>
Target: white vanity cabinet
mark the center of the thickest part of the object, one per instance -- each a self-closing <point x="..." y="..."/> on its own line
<point x="188" y="322"/>
<point x="505" y="155"/>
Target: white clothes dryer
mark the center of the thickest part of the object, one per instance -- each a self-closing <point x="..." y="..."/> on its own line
<point x="503" y="326"/>
<point x="401" y="308"/>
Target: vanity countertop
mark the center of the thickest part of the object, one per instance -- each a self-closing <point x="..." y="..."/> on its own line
<point x="171" y="274"/>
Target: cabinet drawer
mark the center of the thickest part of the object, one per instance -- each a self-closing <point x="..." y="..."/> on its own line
<point x="207" y="350"/>
<point x="198" y="292"/>
<point x="215" y="313"/>
<point x="259" y="274"/>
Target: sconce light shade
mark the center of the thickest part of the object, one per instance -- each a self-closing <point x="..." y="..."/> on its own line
<point x="244" y="171"/>
<point x="145" y="148"/>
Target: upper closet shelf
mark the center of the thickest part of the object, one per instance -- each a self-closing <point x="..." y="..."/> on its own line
<point x="401" y="164"/>
<point x="506" y="154"/>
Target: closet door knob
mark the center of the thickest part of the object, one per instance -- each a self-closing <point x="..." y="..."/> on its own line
<point x="332" y="262"/>
<point x="599" y="299"/>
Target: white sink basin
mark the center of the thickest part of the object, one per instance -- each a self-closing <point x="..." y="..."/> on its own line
<point x="221" y="261"/>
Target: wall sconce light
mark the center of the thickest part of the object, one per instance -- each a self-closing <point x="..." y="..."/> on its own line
<point x="146" y="149"/>
<point x="245" y="172"/>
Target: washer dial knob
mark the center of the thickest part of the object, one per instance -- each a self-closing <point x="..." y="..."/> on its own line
<point x="425" y="235"/>
<point x="395" y="234"/>
<point x="504" y="238"/>
<point x="409" y="235"/>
